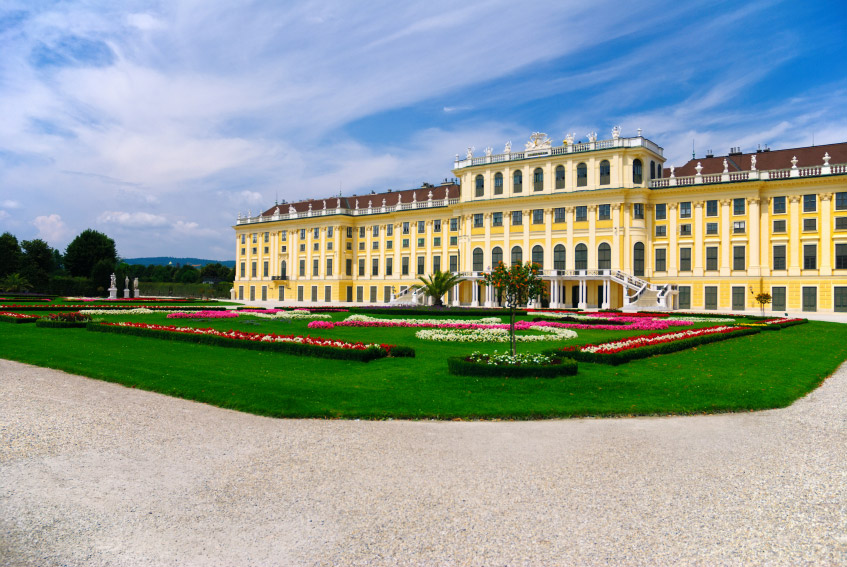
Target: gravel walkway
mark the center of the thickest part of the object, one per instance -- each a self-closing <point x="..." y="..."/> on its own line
<point x="93" y="473"/>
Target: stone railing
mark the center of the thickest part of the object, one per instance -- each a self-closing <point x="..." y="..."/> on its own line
<point x="752" y="175"/>
<point x="411" y="206"/>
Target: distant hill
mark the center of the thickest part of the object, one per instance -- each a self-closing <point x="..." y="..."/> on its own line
<point x="165" y="260"/>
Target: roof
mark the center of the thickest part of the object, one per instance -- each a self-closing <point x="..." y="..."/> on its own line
<point x="445" y="190"/>
<point x="769" y="159"/>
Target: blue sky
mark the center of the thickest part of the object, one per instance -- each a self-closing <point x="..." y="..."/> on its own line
<point x="158" y="122"/>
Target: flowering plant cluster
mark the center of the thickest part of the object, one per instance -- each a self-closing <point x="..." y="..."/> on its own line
<point x="203" y="315"/>
<point x="73" y="317"/>
<point x="501" y="359"/>
<point x="135" y="311"/>
<point x="496" y="334"/>
<point x="644" y="340"/>
<point x="12" y="315"/>
<point x="284" y="314"/>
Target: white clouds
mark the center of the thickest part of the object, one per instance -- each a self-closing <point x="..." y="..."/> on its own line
<point x="51" y="228"/>
<point x="10" y="204"/>
<point x="136" y="220"/>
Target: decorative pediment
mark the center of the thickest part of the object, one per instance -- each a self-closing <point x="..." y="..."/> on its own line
<point x="538" y="141"/>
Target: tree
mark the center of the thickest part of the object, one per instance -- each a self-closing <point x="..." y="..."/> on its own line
<point x="86" y="250"/>
<point x="437" y="284"/>
<point x="38" y="263"/>
<point x="763" y="299"/>
<point x="15" y="282"/>
<point x="10" y="254"/>
<point x="518" y="284"/>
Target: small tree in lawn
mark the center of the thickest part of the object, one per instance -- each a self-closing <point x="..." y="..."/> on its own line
<point x="438" y="284"/>
<point x="763" y="299"/>
<point x="518" y="284"/>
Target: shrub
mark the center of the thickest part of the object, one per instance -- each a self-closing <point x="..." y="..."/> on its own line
<point x="57" y="324"/>
<point x="401" y="352"/>
<point x="560" y="366"/>
<point x="9" y="317"/>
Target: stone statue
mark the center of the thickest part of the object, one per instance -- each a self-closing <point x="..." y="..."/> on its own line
<point x="616" y="132"/>
<point x="488" y="151"/>
<point x="752" y="163"/>
<point x="135" y="284"/>
<point x="725" y="166"/>
<point x="508" y="149"/>
<point x="538" y="140"/>
<point x="126" y="282"/>
<point x="324" y="203"/>
<point x="592" y="136"/>
<point x="291" y="209"/>
<point x="699" y="168"/>
<point x="113" y="282"/>
<point x="569" y="138"/>
<point x="470" y="152"/>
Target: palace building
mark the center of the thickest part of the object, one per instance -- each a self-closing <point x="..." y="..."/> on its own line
<point x="610" y="225"/>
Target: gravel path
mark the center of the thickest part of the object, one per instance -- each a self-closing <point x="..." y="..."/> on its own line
<point x="92" y="473"/>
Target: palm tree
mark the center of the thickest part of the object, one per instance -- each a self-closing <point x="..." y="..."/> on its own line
<point x="437" y="284"/>
<point x="15" y="282"/>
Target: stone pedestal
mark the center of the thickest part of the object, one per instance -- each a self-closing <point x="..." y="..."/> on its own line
<point x="137" y="293"/>
<point x="113" y="293"/>
<point x="126" y="293"/>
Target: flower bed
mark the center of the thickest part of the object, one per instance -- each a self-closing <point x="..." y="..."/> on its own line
<point x="776" y="324"/>
<point x="521" y="365"/>
<point x="203" y="315"/>
<point x="64" y="321"/>
<point x="632" y="348"/>
<point x="291" y="344"/>
<point x="493" y="335"/>
<point x="10" y="317"/>
<point x="110" y="308"/>
<point x="434" y="311"/>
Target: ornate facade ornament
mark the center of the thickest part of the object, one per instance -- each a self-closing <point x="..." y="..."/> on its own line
<point x="324" y="204"/>
<point x="616" y="132"/>
<point x="569" y="138"/>
<point x="276" y="211"/>
<point x="488" y="151"/>
<point x="699" y="168"/>
<point x="470" y="152"/>
<point x="794" y="162"/>
<point x="538" y="141"/>
<point x="429" y="196"/>
<point x="592" y="137"/>
<point x="672" y="172"/>
<point x="753" y="163"/>
<point x="508" y="149"/>
<point x="291" y="209"/>
<point x="725" y="166"/>
<point x="826" y="159"/>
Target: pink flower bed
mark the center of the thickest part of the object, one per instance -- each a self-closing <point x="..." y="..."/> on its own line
<point x="203" y="315"/>
<point x="636" y="324"/>
<point x="17" y="315"/>
<point x="630" y="343"/>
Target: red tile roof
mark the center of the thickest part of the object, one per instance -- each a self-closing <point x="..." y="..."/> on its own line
<point x="773" y="159"/>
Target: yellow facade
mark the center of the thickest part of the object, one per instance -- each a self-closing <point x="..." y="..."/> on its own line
<point x="605" y="235"/>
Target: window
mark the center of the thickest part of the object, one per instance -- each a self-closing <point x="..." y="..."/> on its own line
<point x="299" y="293"/>
<point x="477" y="220"/>
<point x="685" y="210"/>
<point x="739" y="227"/>
<point x="360" y="293"/>
<point x="840" y="297"/>
<point x="712" y="208"/>
<point x="738" y="206"/>
<point x="477" y="260"/>
<point x="810" y="203"/>
<point x="421" y="268"/>
<point x="638" y="259"/>
<point x="605" y="172"/>
<point x="559" y="257"/>
<point x="517" y="255"/>
<point x="684" y="296"/>
<point x="302" y="234"/>
<point x="329" y="266"/>
<point x="581" y="175"/>
<point x="604" y="257"/>
<point x="739" y="258"/>
<point x="283" y="268"/>
<point x="661" y="211"/>
<point x="405" y="243"/>
<point x="685" y="229"/>
<point x="496" y="256"/>
<point x="454" y="240"/>
<point x="436" y="241"/>
<point x="779" y="205"/>
<point x="810" y="298"/>
<point x="327" y="293"/>
<point x="498" y="183"/>
<point x="436" y="225"/>
<point x="517" y="218"/>
<point x="779" y="257"/>
<point x="404" y="265"/>
<point x="637" y="172"/>
<point x="810" y="225"/>
<point x="711" y="228"/>
<point x="779" y="226"/>
<point x="841" y="201"/>
<point x="581" y="257"/>
<point x="375" y="230"/>
<point x="255" y="235"/>
<point x="661" y="230"/>
<point x="302" y="267"/>
<point x="841" y="256"/>
<point x="581" y="213"/>
<point x="778" y="298"/>
<point x="454" y="224"/>
<point x="329" y="232"/>
<point x="738" y="294"/>
<point x="559" y="214"/>
<point x="361" y="232"/>
<point x="361" y="246"/>
<point x="243" y="251"/>
<point x="329" y="245"/>
<point x="436" y="263"/>
<point x="348" y="267"/>
<point x="243" y="238"/>
<point x="537" y="216"/>
<point x="480" y="186"/>
<point x="840" y="223"/>
<point x="454" y="264"/>
<point x="405" y="228"/>
<point x="538" y="256"/>
<point x="685" y="259"/>
<point x="711" y="257"/>
<point x="253" y="250"/>
<point x="604" y="212"/>
<point x="560" y="177"/>
<point x="264" y="269"/>
<point x="361" y="267"/>
<point x="652" y="169"/>
<point x="389" y="266"/>
<point x="421" y="226"/>
<point x="243" y="271"/>
<point x="810" y="256"/>
<point x="538" y="179"/>
<point x="421" y="242"/>
<point x="302" y="248"/>
<point x="638" y="211"/>
<point x="253" y="269"/>
<point x="711" y="296"/>
<point x="316" y="246"/>
<point x="497" y="219"/>
<point x="374" y="266"/>
<point x="517" y="182"/>
<point x="661" y="260"/>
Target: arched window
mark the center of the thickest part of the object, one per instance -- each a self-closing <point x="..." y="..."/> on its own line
<point x="580" y="257"/>
<point x="605" y="172"/>
<point x="581" y="175"/>
<point x="658" y="170"/>
<point x="604" y="257"/>
<point x="480" y="186"/>
<point x="282" y="269"/>
<point x="559" y="257"/>
<point x="538" y="255"/>
<point x="496" y="256"/>
<point x="477" y="259"/>
<point x="638" y="259"/>
<point x="538" y="179"/>
<point x="652" y="169"/>
<point x="517" y="182"/>
<point x="498" y="183"/>
<point x="560" y="177"/>
<point x="637" y="172"/>
<point x="517" y="255"/>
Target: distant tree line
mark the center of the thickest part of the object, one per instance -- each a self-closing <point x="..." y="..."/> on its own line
<point x="86" y="266"/>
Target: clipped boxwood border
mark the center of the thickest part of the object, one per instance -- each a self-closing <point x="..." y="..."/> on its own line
<point x="27" y="319"/>
<point x="47" y="323"/>
<point x="562" y="366"/>
<point x="297" y="349"/>
<point x="616" y="358"/>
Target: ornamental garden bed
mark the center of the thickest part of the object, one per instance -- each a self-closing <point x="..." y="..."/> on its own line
<point x="64" y="321"/>
<point x="521" y="365"/>
<point x="10" y="317"/>
<point x="427" y="311"/>
<point x="633" y="348"/>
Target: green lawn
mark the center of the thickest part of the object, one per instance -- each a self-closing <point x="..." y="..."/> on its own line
<point x="768" y="370"/>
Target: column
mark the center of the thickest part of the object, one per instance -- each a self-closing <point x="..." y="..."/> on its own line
<point x="583" y="301"/>
<point x="616" y="236"/>
<point x="507" y="248"/>
<point x="698" y="238"/>
<point x="825" y="247"/>
<point x="754" y="242"/>
<point x="456" y="301"/>
<point x="548" y="242"/>
<point x="606" y="288"/>
<point x="569" y="252"/>
<point x="764" y="241"/>
<point x="474" y="293"/>
<point x="486" y="249"/>
<point x="673" y="248"/>
<point x="488" y="295"/>
<point x="468" y="258"/>
<point x="527" y="224"/>
<point x="592" y="236"/>
<point x="726" y="243"/>
<point x="794" y="235"/>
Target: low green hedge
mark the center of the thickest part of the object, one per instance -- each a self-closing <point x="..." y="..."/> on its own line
<point x="436" y="311"/>
<point x="779" y="326"/>
<point x="297" y="349"/>
<point x="402" y="352"/>
<point x="622" y="357"/>
<point x="562" y="367"/>
<point x="7" y="319"/>
<point x="61" y="324"/>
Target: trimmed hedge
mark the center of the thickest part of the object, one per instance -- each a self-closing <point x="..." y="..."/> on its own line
<point x="780" y="326"/>
<point x="402" y="352"/>
<point x="436" y="311"/>
<point x="624" y="356"/>
<point x="61" y="324"/>
<point x="7" y="319"/>
<point x="297" y="349"/>
<point x="561" y="367"/>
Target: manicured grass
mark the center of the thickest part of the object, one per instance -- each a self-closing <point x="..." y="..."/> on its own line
<point x="762" y="371"/>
